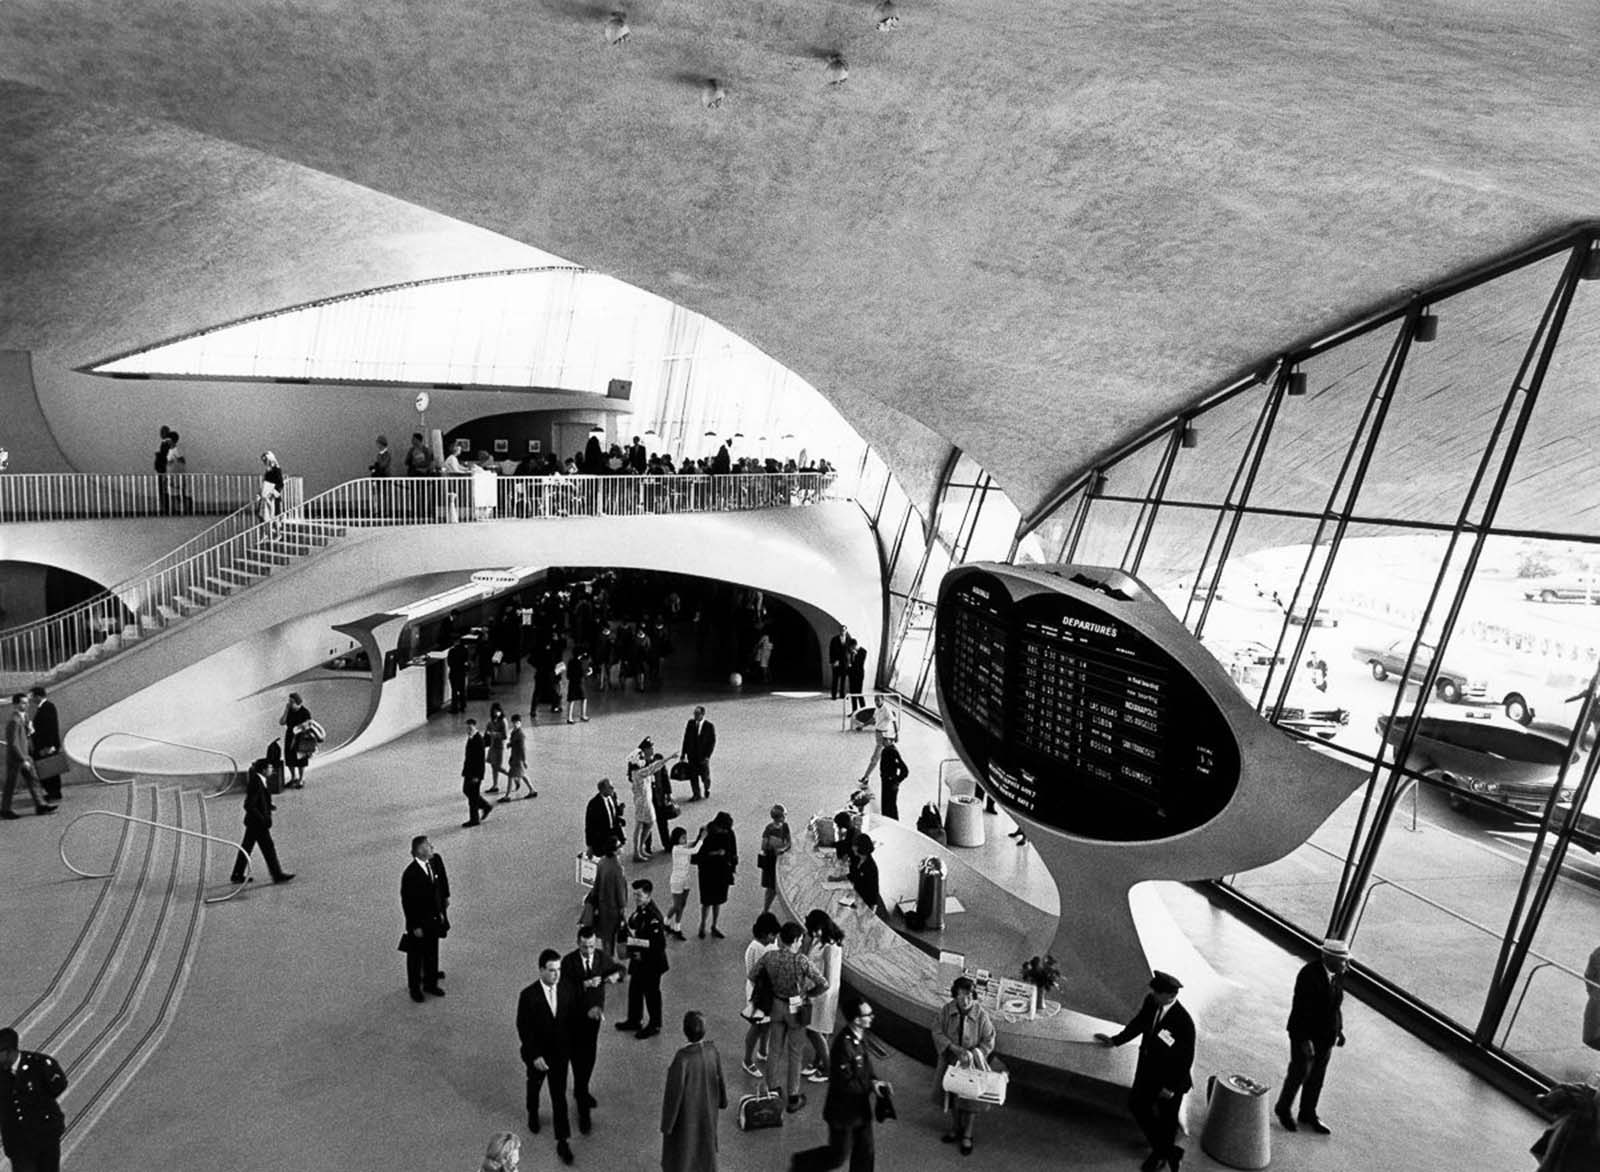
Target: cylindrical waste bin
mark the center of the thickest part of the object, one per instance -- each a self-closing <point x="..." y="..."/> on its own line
<point x="1237" y="1132"/>
<point x="963" y="821"/>
<point x="930" y="893"/>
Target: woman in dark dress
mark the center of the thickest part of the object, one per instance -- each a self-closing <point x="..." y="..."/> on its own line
<point x="718" y="860"/>
<point x="498" y="731"/>
<point x="577" y="688"/>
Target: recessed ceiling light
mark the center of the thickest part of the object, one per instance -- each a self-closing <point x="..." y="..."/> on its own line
<point x="886" y="15"/>
<point x="617" y="29"/>
<point x="838" y="72"/>
<point x="712" y="93"/>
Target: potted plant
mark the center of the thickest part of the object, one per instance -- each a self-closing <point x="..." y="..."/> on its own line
<point x="1044" y="975"/>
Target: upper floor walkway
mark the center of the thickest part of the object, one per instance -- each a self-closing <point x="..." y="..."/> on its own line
<point x="243" y="549"/>
<point x="74" y="496"/>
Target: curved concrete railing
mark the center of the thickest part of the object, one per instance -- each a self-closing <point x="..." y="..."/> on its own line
<point x="211" y="673"/>
<point x="233" y="775"/>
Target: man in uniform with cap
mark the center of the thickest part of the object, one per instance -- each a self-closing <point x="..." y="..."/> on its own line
<point x="1166" y="1056"/>
<point x="31" y="1121"/>
<point x="1316" y="1026"/>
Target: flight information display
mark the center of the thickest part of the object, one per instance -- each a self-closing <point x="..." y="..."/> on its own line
<point x="1073" y="716"/>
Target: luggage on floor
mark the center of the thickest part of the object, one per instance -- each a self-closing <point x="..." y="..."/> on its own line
<point x="762" y="1109"/>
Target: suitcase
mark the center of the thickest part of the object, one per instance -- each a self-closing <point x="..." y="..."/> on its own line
<point x="762" y="1109"/>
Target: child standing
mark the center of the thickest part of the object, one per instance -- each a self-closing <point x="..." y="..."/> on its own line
<point x="678" y="881"/>
<point x="765" y="939"/>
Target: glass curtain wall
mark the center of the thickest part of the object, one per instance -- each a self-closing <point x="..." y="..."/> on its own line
<point x="1392" y="543"/>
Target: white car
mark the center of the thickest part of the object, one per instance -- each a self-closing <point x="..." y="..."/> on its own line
<point x="1564" y="588"/>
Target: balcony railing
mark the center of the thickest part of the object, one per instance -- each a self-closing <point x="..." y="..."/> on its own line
<point x="240" y="550"/>
<point x="79" y="497"/>
<point x="451" y="500"/>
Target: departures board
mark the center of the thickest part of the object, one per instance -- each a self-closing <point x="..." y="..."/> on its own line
<point x="1071" y="715"/>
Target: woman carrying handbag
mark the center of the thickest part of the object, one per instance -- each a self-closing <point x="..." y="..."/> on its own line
<point x="963" y="1034"/>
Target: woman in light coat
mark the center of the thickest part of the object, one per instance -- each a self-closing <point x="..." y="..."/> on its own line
<point x="962" y="1032"/>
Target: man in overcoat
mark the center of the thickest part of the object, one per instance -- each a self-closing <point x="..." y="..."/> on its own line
<point x="695" y="1092"/>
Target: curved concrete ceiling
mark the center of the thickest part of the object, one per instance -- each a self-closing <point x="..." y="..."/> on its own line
<point x="1031" y="228"/>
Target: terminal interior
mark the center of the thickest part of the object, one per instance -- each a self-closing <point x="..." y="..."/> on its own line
<point x="1294" y="323"/>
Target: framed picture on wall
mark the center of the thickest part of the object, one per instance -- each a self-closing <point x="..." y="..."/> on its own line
<point x="501" y="447"/>
<point x="533" y="447"/>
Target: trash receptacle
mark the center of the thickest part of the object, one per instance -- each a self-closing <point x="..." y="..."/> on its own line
<point x="930" y="893"/>
<point x="963" y="821"/>
<point x="1237" y="1128"/>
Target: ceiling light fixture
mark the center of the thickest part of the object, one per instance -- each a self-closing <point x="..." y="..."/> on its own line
<point x="1427" y="327"/>
<point x="838" y="72"/>
<point x="1296" y="384"/>
<point x="1189" y="437"/>
<point x="712" y="93"/>
<point x="1590" y="269"/>
<point x="886" y="15"/>
<point x="617" y="29"/>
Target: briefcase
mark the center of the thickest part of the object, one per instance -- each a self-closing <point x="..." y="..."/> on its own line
<point x="53" y="766"/>
<point x="762" y="1109"/>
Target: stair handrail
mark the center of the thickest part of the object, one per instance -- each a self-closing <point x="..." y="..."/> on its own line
<point x="61" y="848"/>
<point x="233" y="775"/>
<point x="68" y="632"/>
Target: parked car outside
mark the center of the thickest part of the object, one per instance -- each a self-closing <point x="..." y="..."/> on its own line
<point x="1485" y="760"/>
<point x="1553" y="699"/>
<point x="1453" y="685"/>
<point x="1323" y="618"/>
<point x="1586" y="831"/>
<point x="1307" y="717"/>
<point x="1564" y="588"/>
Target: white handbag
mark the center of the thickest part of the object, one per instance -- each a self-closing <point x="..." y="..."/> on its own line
<point x="977" y="1081"/>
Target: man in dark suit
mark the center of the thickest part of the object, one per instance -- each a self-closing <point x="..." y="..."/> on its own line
<point x="602" y="818"/>
<point x="841" y="648"/>
<point x="258" y="825"/>
<point x="1166" y="1057"/>
<point x="1316" y="1026"/>
<point x="544" y="1026"/>
<point x="425" y="900"/>
<point x="848" y="1110"/>
<point x="699" y="742"/>
<point x="45" y="741"/>
<point x="647" y="962"/>
<point x="456" y="660"/>
<point x="474" y="761"/>
<point x="31" y="1121"/>
<point x="587" y="969"/>
<point x="19" y="761"/>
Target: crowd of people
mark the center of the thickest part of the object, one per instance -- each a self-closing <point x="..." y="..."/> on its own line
<point x="596" y="459"/>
